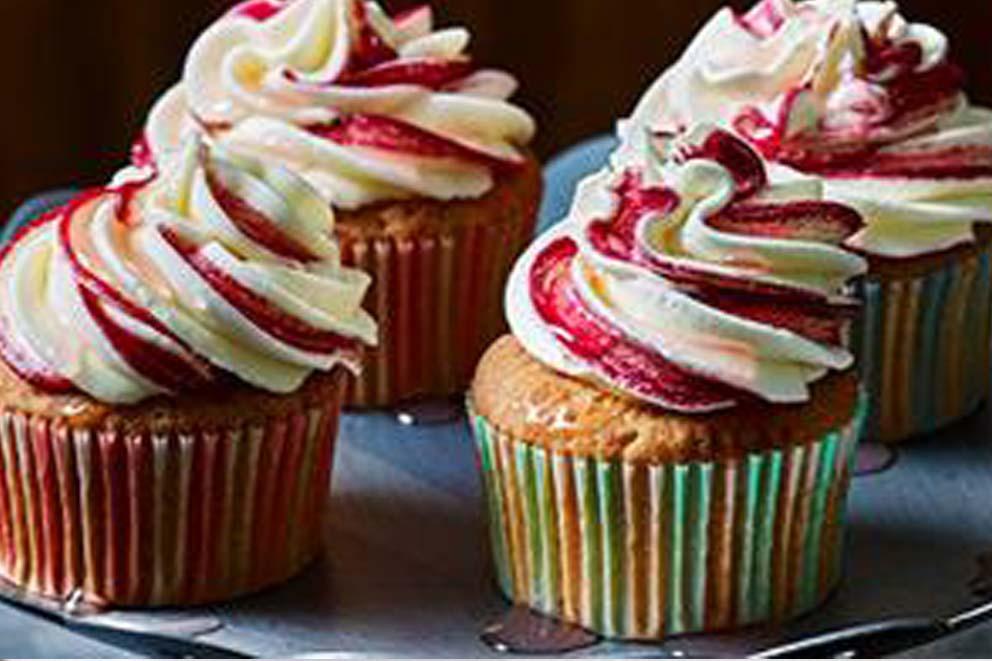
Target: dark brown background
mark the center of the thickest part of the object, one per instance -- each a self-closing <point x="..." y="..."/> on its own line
<point x="80" y="75"/>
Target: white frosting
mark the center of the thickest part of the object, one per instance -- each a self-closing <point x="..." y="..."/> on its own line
<point x="771" y="362"/>
<point x="51" y="309"/>
<point x="259" y="86"/>
<point x="805" y="63"/>
<point x="908" y="216"/>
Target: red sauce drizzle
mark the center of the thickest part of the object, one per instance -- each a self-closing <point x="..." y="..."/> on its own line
<point x="257" y="309"/>
<point x="593" y="339"/>
<point x="389" y="134"/>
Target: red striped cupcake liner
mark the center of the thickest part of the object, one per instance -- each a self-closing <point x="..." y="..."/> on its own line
<point x="438" y="301"/>
<point x="143" y="519"/>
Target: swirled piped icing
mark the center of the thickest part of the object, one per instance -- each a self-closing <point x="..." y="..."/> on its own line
<point x="850" y="91"/>
<point x="166" y="283"/>
<point x="694" y="280"/>
<point x="365" y="106"/>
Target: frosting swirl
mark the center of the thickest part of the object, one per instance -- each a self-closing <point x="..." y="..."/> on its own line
<point x="692" y="281"/>
<point x="165" y="283"/>
<point x="365" y="106"/>
<point x="852" y="92"/>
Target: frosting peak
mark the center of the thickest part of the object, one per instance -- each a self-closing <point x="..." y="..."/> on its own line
<point x="693" y="276"/>
<point x="367" y="107"/>
<point x="165" y="282"/>
<point x="850" y="91"/>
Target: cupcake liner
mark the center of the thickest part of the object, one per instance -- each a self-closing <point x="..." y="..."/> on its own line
<point x="646" y="551"/>
<point x="438" y="301"/>
<point x="155" y="520"/>
<point x="924" y="348"/>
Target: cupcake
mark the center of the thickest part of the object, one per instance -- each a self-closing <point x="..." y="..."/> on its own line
<point x="413" y="144"/>
<point x="667" y="436"/>
<point x="873" y="104"/>
<point x="171" y="383"/>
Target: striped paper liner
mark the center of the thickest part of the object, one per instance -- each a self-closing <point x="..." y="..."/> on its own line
<point x="924" y="348"/>
<point x="438" y="301"/>
<point x="162" y="520"/>
<point x="647" y="551"/>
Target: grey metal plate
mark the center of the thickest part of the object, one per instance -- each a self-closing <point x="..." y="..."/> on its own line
<point x="407" y="570"/>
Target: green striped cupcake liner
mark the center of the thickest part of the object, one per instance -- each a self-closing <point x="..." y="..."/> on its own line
<point x="647" y="551"/>
<point x="923" y="346"/>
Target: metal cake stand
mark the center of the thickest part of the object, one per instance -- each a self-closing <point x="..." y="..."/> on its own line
<point x="407" y="572"/>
